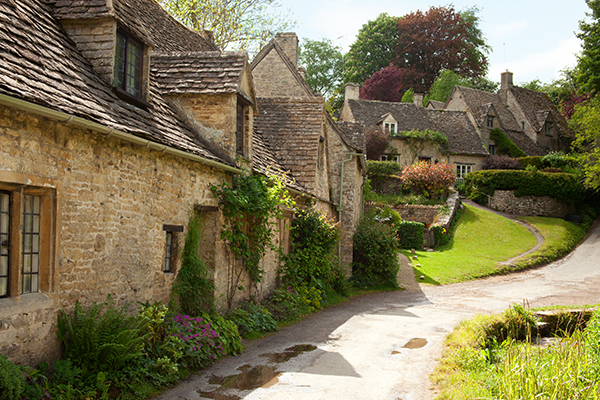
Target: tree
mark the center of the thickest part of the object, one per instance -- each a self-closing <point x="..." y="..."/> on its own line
<point x="586" y="124"/>
<point x="384" y="85"/>
<point x="372" y="50"/>
<point x="236" y="24"/>
<point x="588" y="66"/>
<point x="444" y="84"/>
<point x="323" y="64"/>
<point x="440" y="39"/>
<point x="377" y="142"/>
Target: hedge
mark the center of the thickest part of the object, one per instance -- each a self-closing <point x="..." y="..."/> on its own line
<point x="504" y="145"/>
<point x="563" y="187"/>
<point x="411" y="235"/>
<point x="386" y="168"/>
<point x="536" y="161"/>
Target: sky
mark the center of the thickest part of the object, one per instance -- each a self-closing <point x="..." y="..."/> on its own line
<point x="534" y="39"/>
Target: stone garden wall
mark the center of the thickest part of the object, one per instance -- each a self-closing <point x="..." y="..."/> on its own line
<point x="544" y="206"/>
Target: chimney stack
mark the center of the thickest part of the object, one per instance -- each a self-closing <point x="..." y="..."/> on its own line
<point x="351" y="91"/>
<point x="288" y="41"/>
<point x="506" y="80"/>
<point x="418" y="99"/>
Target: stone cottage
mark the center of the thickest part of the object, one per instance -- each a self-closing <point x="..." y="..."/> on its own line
<point x="465" y="152"/>
<point x="294" y="123"/>
<point x="115" y="119"/>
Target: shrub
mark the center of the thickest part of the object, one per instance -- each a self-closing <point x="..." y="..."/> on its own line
<point x="501" y="162"/>
<point x="557" y="159"/>
<point x="562" y="187"/>
<point x="386" y="215"/>
<point x="12" y="382"/>
<point x="535" y="161"/>
<point x="410" y="235"/>
<point x="250" y="317"/>
<point x="385" y="168"/>
<point x="193" y="289"/>
<point x="504" y="145"/>
<point x="377" y="142"/>
<point x="284" y="304"/>
<point x="375" y="254"/>
<point x="441" y="236"/>
<point x="427" y="179"/>
<point x="200" y="342"/>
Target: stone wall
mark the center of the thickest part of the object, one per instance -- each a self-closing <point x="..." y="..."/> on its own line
<point x="112" y="200"/>
<point x="272" y="78"/>
<point x="544" y="206"/>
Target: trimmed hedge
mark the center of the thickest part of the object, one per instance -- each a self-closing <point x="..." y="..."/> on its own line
<point x="411" y="235"/>
<point x="563" y="187"/>
<point x="536" y="161"/>
<point x="504" y="145"/>
<point x="386" y="168"/>
<point x="375" y="254"/>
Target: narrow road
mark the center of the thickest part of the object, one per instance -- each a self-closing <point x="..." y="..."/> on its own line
<point x="385" y="346"/>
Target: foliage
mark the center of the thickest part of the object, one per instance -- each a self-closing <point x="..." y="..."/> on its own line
<point x="200" y="343"/>
<point x="535" y="161"/>
<point x="236" y="24"/>
<point x="440" y="39"/>
<point x="12" y="382"/>
<point x="372" y="50"/>
<point x="385" y="215"/>
<point x="501" y="162"/>
<point x="586" y="124"/>
<point x="408" y="96"/>
<point x="417" y="140"/>
<point x="193" y="288"/>
<point x="440" y="235"/>
<point x="323" y="64"/>
<point x="385" y="168"/>
<point x="314" y="239"/>
<point x="249" y="207"/>
<point x="375" y="253"/>
<point x="103" y="338"/>
<point x="431" y="180"/>
<point x="410" y="235"/>
<point x="250" y="317"/>
<point x="384" y="85"/>
<point x="505" y="146"/>
<point x="444" y="84"/>
<point x="588" y="66"/>
<point x="556" y="159"/>
<point x="377" y="142"/>
<point x="562" y="187"/>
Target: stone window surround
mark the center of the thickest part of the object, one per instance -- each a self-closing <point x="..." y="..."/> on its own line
<point x="390" y="127"/>
<point x="390" y="157"/>
<point x="548" y="125"/>
<point x="241" y="131"/>
<point x="462" y="169"/>
<point x="171" y="246"/>
<point x="18" y="185"/>
<point x="489" y="121"/>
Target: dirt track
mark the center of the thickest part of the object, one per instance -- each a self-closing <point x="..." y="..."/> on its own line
<point x="384" y="346"/>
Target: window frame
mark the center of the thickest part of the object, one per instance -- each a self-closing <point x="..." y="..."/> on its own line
<point x="489" y="122"/>
<point x="121" y="89"/>
<point x="390" y="127"/>
<point x="492" y="149"/>
<point x="548" y="128"/>
<point x="463" y="170"/>
<point x="170" y="248"/>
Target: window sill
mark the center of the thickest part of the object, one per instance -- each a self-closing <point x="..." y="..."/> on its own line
<point x="26" y="303"/>
<point x="126" y="97"/>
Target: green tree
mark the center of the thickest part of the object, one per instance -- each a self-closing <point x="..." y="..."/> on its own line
<point x="236" y="24"/>
<point x="323" y="64"/>
<point x="373" y="49"/>
<point x="444" y="84"/>
<point x="588" y="66"/>
<point x="586" y="124"/>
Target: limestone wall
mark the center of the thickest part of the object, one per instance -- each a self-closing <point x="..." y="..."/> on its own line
<point x="544" y="206"/>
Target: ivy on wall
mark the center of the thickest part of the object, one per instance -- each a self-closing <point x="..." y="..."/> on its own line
<point x="418" y="140"/>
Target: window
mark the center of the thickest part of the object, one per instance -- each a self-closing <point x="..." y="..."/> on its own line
<point x="523" y="125"/>
<point x="390" y="157"/>
<point x="170" y="246"/>
<point x="239" y="129"/>
<point x="492" y="149"/>
<point x="389" y="127"/>
<point x="129" y="54"/>
<point x="462" y="170"/>
<point x="548" y="128"/>
<point x="490" y="121"/>
<point x="25" y="239"/>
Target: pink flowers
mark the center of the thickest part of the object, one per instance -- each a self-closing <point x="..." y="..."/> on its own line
<point x="427" y="179"/>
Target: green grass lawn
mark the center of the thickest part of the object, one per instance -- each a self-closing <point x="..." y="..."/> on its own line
<point x="481" y="240"/>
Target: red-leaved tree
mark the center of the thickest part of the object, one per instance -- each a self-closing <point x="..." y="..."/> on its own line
<point x="377" y="142"/>
<point x="430" y="180"/>
<point x="384" y="85"/>
<point x="440" y="39"/>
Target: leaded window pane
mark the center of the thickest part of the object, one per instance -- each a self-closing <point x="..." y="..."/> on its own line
<point x="168" y="253"/>
<point x="134" y="68"/>
<point x="119" y="70"/>
<point x="4" y="242"/>
<point x="31" y="238"/>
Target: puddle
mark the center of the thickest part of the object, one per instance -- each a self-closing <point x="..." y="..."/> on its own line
<point x="415" y="343"/>
<point x="250" y="378"/>
<point x="395" y="352"/>
<point x="289" y="353"/>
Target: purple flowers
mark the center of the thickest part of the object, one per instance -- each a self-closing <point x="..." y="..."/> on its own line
<point x="197" y="338"/>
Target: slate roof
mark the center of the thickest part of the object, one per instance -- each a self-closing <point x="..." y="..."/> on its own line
<point x="436" y="105"/>
<point x="198" y="72"/>
<point x="41" y="65"/>
<point x="146" y="19"/>
<point x="355" y="132"/>
<point x="292" y="128"/>
<point x="462" y="135"/>
<point x="479" y="102"/>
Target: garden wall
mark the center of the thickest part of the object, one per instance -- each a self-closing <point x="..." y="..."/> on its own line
<point x="543" y="206"/>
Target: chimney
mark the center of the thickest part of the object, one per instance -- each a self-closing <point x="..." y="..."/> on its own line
<point x="351" y="91"/>
<point x="302" y="72"/>
<point x="506" y="80"/>
<point x="289" y="43"/>
<point x="418" y="99"/>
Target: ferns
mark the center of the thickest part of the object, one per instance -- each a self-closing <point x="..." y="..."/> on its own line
<point x="102" y="338"/>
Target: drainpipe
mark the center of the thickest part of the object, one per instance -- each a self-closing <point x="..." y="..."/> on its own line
<point x="86" y="124"/>
<point x="340" y="206"/>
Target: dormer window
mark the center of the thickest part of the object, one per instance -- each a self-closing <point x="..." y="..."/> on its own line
<point x="548" y="128"/>
<point x="490" y="121"/>
<point x="129" y="69"/>
<point x="389" y="127"/>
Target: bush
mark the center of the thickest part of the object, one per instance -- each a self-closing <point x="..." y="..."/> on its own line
<point x="12" y="382"/>
<point x="375" y="254"/>
<point x="427" y="179"/>
<point x="535" y="161"/>
<point x="376" y="142"/>
<point x="386" y="215"/>
<point x="563" y="187"/>
<point x="504" y="145"/>
<point x="250" y="317"/>
<point x="501" y="162"/>
<point x="200" y="342"/>
<point x="385" y="168"/>
<point x="557" y="159"/>
<point x="410" y="235"/>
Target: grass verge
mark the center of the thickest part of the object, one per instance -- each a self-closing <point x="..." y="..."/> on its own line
<point x="481" y="240"/>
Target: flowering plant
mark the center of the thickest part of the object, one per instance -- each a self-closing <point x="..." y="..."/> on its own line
<point x="430" y="180"/>
<point x="199" y="341"/>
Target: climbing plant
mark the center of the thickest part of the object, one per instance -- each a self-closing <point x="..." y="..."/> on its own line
<point x="249" y="205"/>
<point x="418" y="140"/>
